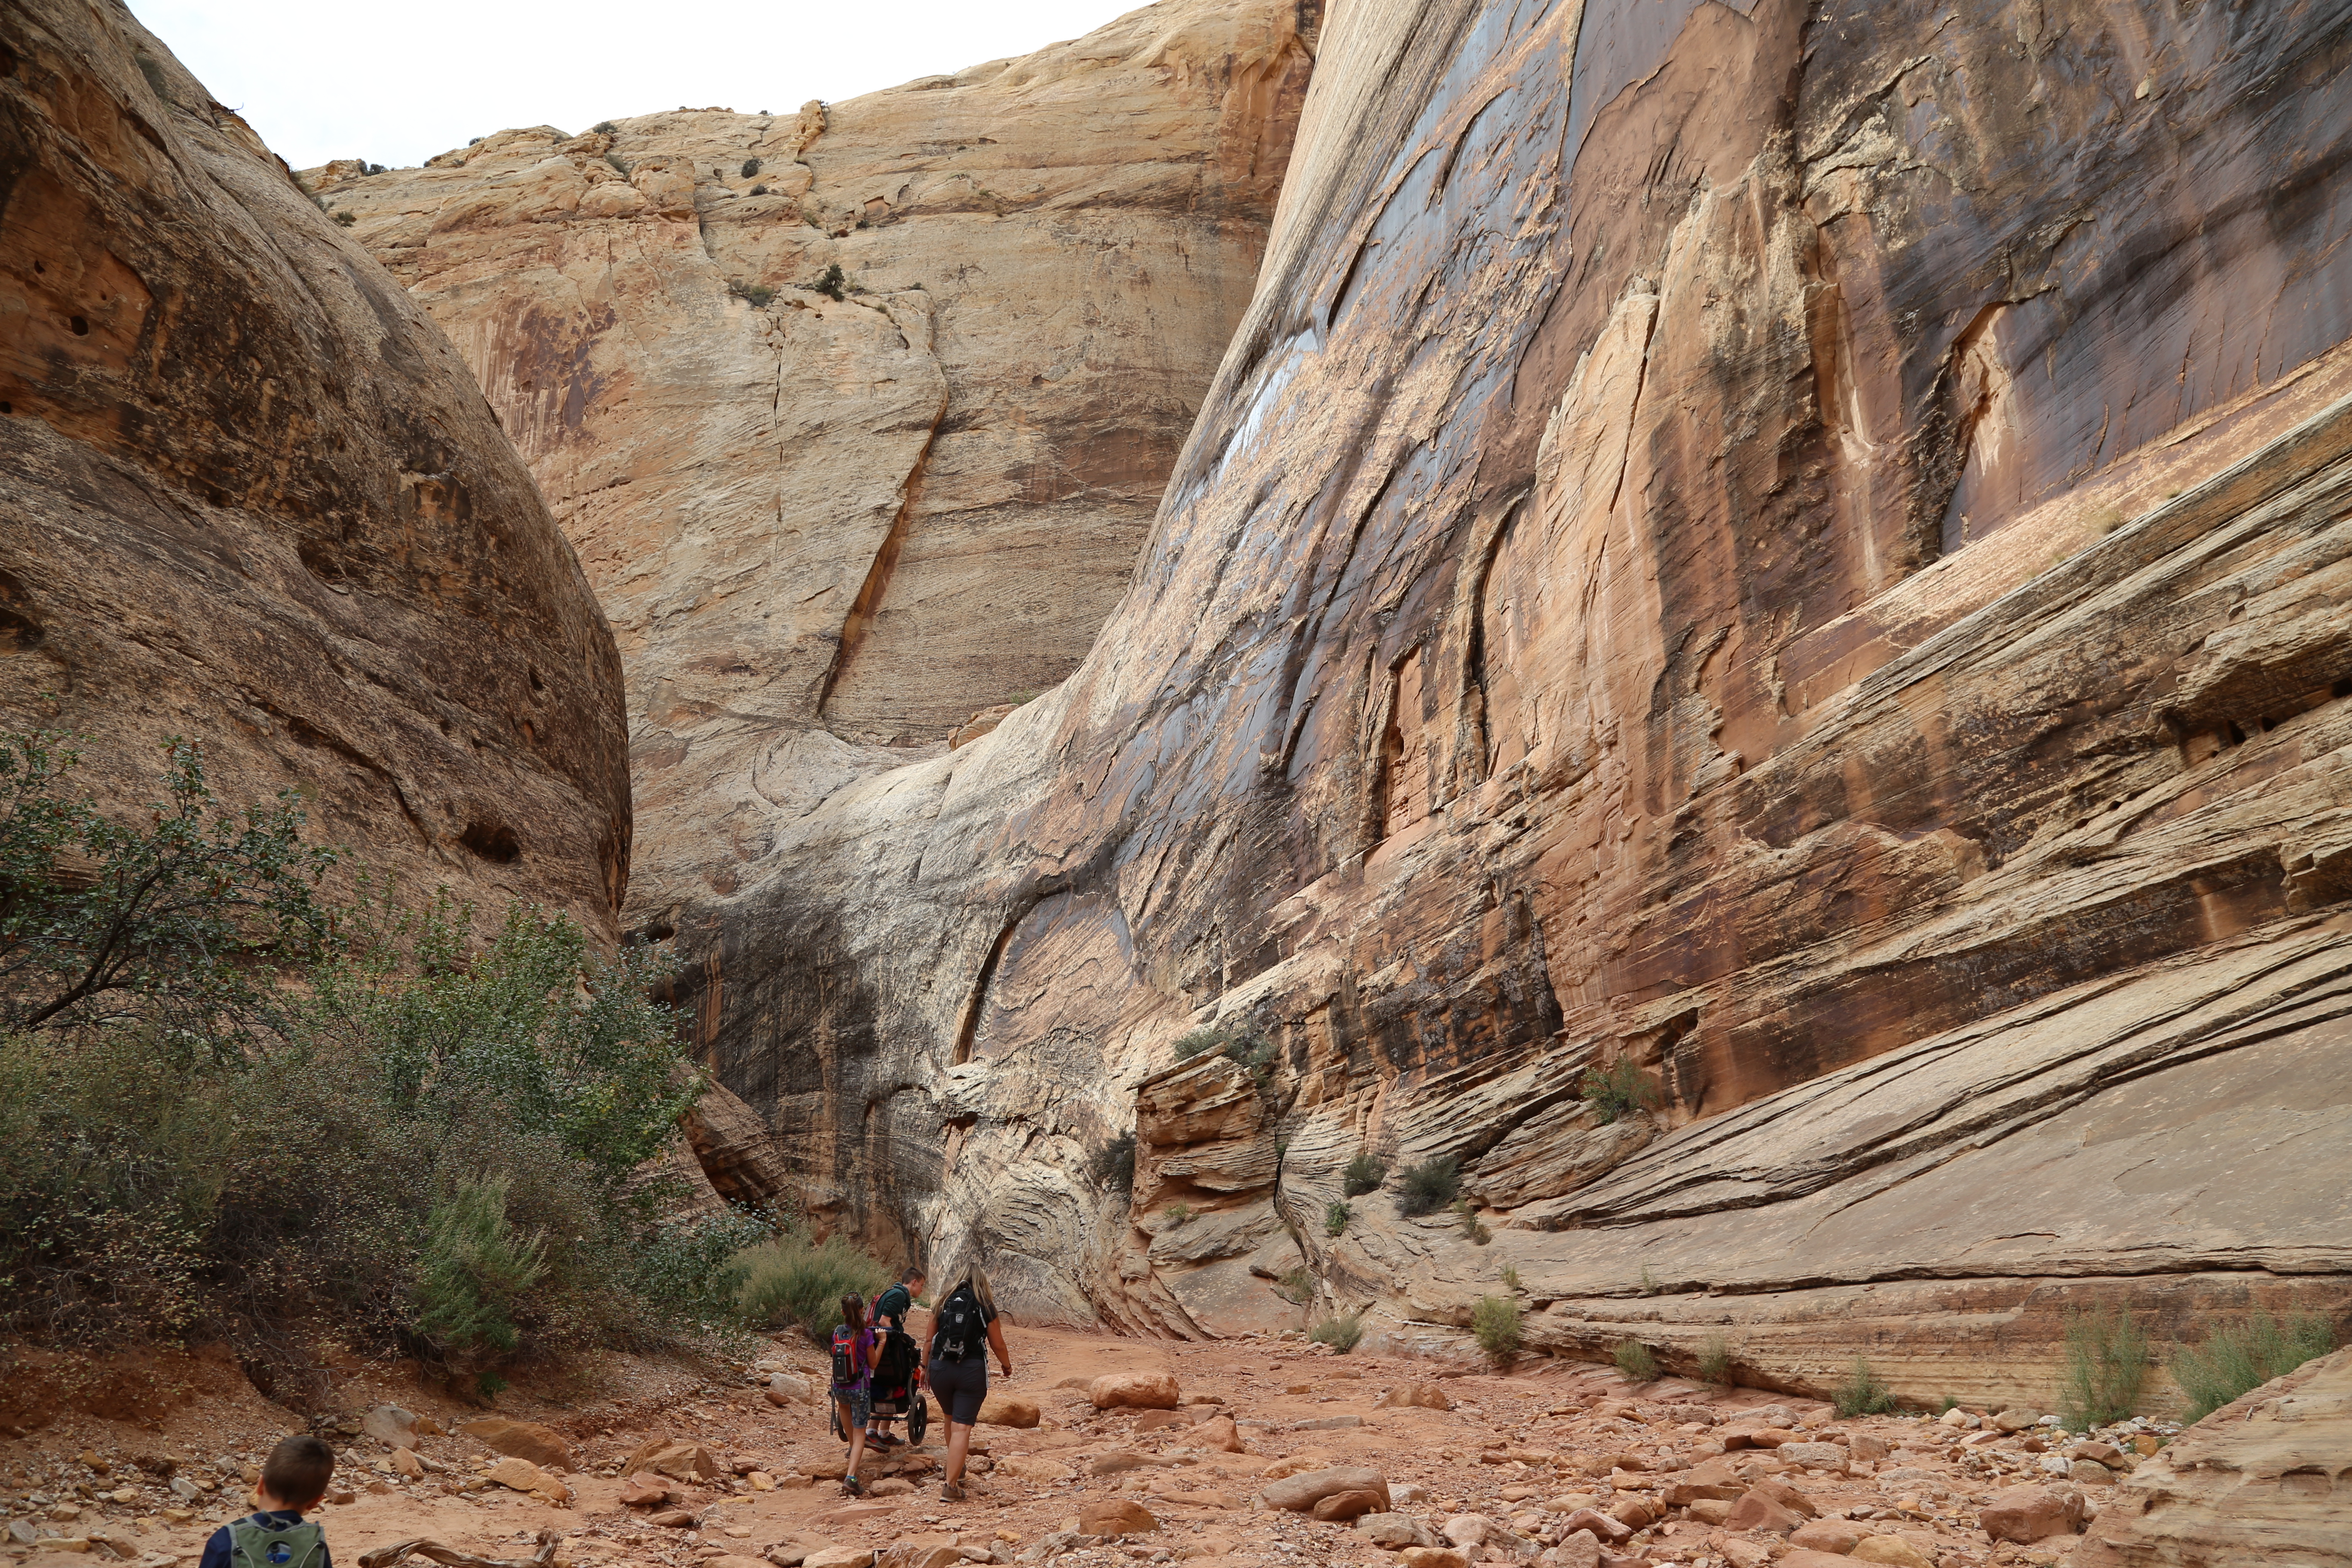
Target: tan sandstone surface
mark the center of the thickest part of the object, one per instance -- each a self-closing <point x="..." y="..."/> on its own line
<point x="1802" y="552"/>
<point x="830" y="530"/>
<point x="250" y="495"/>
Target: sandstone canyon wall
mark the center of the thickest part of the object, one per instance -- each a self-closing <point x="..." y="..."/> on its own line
<point x="249" y="494"/>
<point x="1801" y="548"/>
<point x="830" y="530"/>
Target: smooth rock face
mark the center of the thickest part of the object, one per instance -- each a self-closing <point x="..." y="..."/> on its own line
<point x="252" y="497"/>
<point x="1801" y="551"/>
<point x="829" y="531"/>
<point x="2260" y="1481"/>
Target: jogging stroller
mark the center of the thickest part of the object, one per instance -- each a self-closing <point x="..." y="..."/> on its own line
<point x="895" y="1391"/>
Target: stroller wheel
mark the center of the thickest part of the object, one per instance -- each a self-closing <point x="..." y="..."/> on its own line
<point x="832" y="1418"/>
<point x="918" y="1417"/>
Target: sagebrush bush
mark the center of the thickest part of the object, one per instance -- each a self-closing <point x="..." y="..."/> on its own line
<point x="759" y="295"/>
<point x="1636" y="1360"/>
<point x="833" y="282"/>
<point x="226" y="1109"/>
<point x="1494" y="1323"/>
<point x="1715" y="1360"/>
<point x="1619" y="1089"/>
<point x="1427" y="1187"/>
<point x="2237" y="1359"/>
<point x="1343" y="1331"/>
<point x="1113" y="1166"/>
<point x="790" y="1281"/>
<point x="1365" y="1173"/>
<point x="1177" y="1213"/>
<point x="2106" y="1363"/>
<point x="1862" y="1393"/>
<point x="1336" y="1216"/>
<point x="1248" y="1048"/>
<point x="750" y="167"/>
<point x="1474" y="1230"/>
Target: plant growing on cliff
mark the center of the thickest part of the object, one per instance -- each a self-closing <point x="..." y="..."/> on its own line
<point x="1618" y="1090"/>
<point x="1472" y="1230"/>
<point x="1510" y="1278"/>
<point x="347" y="219"/>
<point x="1336" y="1216"/>
<point x="1343" y="1331"/>
<point x="1113" y="1166"/>
<point x="1176" y="1213"/>
<point x="603" y="128"/>
<point x="757" y="295"/>
<point x="1862" y="1393"/>
<point x="833" y="282"/>
<point x="1365" y="1173"/>
<point x="1494" y="1323"/>
<point x="619" y="167"/>
<point x="1248" y="1049"/>
<point x="2237" y="1359"/>
<point x="2106" y="1363"/>
<point x="1298" y="1287"/>
<point x="1636" y="1360"/>
<point x="1715" y="1360"/>
<point x="1429" y="1186"/>
<point x="750" y="167"/>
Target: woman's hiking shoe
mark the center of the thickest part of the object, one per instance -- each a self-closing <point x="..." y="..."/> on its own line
<point x="951" y="1492"/>
<point x="852" y="1485"/>
<point x="884" y="1439"/>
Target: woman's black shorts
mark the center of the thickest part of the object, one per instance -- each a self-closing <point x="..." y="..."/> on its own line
<point x="959" y="1387"/>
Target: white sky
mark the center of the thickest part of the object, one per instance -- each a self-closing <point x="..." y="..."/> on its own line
<point x="397" y="82"/>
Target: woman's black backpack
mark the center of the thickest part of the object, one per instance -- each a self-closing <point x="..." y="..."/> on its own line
<point x="963" y="1329"/>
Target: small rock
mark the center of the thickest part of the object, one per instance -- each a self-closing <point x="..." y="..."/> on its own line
<point x="391" y="1426"/>
<point x="1035" y="1467"/>
<point x="527" y="1440"/>
<point x="1393" y="1531"/>
<point x="61" y="1543"/>
<point x="1957" y="1419"/>
<point x="920" y="1552"/>
<point x="674" y="1458"/>
<point x="644" y="1490"/>
<point x="1864" y="1446"/>
<point x="406" y="1462"/>
<point x="1414" y="1395"/>
<point x="675" y="1519"/>
<point x="1300" y="1493"/>
<point x="2029" y="1513"/>
<point x="797" y="1389"/>
<point x="1008" y="1410"/>
<point x="522" y="1476"/>
<point x="840" y="1557"/>
<point x="1116" y="1516"/>
<point x="1755" y="1510"/>
<point x="891" y="1487"/>
<point x="1135" y="1391"/>
<point x="2090" y="1473"/>
<point x="1435" y="1557"/>
<point x="1815" y="1456"/>
<point x="21" y="1532"/>
<point x="1341" y="1507"/>
<point x="1578" y="1551"/>
<point x="1329" y="1424"/>
<point x="1602" y="1527"/>
<point x="1893" y="1550"/>
<point x="1770" y="1436"/>
<point x="1117" y="1461"/>
<point x="1831" y="1535"/>
<point x="1221" y="1435"/>
<point x="2016" y="1418"/>
<point x="1469" y="1529"/>
<point x="1710" y="1510"/>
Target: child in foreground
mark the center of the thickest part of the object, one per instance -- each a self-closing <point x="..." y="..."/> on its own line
<point x="293" y="1478"/>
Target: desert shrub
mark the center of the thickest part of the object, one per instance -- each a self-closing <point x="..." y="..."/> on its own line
<point x="1177" y="1213"/>
<point x="759" y="190"/>
<point x="618" y="166"/>
<point x="2237" y="1359"/>
<point x="1494" y="1323"/>
<point x="1336" y="1216"/>
<point x="1427" y="1187"/>
<point x="1715" y="1360"/>
<point x="1861" y="1393"/>
<point x="1365" y="1173"/>
<point x="1298" y="1287"/>
<point x="750" y="167"/>
<point x="1343" y="1331"/>
<point x="1472" y="1229"/>
<point x="1649" y="1286"/>
<point x="1510" y="1277"/>
<point x="1249" y="1049"/>
<point x="226" y="1109"/>
<point x="603" y="128"/>
<point x="368" y="168"/>
<point x="1113" y="1166"/>
<point x="792" y="1282"/>
<point x="1636" y="1360"/>
<point x="346" y="219"/>
<point x="758" y="295"/>
<point x="833" y="282"/>
<point x="1619" y="1089"/>
<point x="2106" y="1362"/>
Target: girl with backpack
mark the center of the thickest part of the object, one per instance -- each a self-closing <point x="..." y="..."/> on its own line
<point x="855" y="1347"/>
<point x="963" y="1331"/>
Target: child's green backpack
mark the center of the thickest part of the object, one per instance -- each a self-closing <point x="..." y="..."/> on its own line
<point x="252" y="1545"/>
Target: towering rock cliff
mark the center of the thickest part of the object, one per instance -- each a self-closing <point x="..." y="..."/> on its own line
<point x="858" y="414"/>
<point x="1801" y="550"/>
<point x="250" y="495"/>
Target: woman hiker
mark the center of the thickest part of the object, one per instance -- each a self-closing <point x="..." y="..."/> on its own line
<point x="855" y="1347"/>
<point x="963" y="1331"/>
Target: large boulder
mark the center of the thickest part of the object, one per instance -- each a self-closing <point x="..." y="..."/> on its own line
<point x="255" y="497"/>
<point x="2026" y="1514"/>
<point x="2260" y="1481"/>
<point x="1300" y="1493"/>
<point x="674" y="1458"/>
<point x="1135" y="1391"/>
